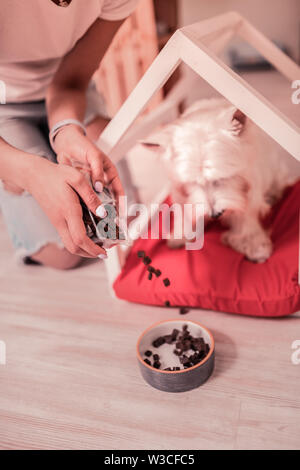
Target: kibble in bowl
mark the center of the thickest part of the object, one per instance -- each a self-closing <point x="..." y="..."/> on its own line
<point x="176" y="355"/>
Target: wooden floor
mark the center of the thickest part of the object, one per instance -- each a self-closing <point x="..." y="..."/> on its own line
<point x="72" y="381"/>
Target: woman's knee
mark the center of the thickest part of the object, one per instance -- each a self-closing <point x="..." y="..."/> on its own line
<point x="55" y="257"/>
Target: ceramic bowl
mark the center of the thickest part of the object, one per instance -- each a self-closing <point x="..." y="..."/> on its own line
<point x="174" y="381"/>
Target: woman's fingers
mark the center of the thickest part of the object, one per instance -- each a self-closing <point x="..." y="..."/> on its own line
<point x="78" y="182"/>
<point x="64" y="159"/>
<point x="95" y="160"/>
<point x="113" y="178"/>
<point x="80" y="242"/>
<point x="68" y="242"/>
<point x="78" y="233"/>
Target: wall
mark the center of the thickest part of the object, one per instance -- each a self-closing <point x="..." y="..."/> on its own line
<point x="277" y="19"/>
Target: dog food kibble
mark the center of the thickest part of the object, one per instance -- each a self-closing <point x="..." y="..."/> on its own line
<point x="184" y="359"/>
<point x="199" y="344"/>
<point x="151" y="269"/>
<point x="187" y="345"/>
<point x="184" y="342"/>
<point x="147" y="261"/>
<point x="168" y="339"/>
<point x="158" y="342"/>
<point x="183" y="310"/>
<point x="175" y="334"/>
<point x="188" y="365"/>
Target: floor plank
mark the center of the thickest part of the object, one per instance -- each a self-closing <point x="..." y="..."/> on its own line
<point x="72" y="381"/>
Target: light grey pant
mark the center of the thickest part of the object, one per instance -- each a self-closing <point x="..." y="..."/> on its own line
<point x="24" y="125"/>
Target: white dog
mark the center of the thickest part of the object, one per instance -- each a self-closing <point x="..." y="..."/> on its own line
<point x="218" y="157"/>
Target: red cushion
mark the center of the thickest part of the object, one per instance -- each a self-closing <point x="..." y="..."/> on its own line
<point x="218" y="277"/>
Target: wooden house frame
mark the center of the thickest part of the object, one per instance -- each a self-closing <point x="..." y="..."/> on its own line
<point x="198" y="46"/>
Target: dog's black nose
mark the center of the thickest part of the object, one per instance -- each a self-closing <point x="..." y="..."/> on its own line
<point x="216" y="215"/>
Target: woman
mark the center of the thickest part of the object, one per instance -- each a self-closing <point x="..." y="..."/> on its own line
<point x="49" y="50"/>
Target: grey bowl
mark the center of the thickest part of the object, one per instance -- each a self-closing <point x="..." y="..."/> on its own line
<point x="174" y="381"/>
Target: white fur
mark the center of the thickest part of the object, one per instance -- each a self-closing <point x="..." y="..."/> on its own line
<point x="214" y="155"/>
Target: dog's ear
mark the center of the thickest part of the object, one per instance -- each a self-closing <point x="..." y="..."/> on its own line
<point x="238" y="122"/>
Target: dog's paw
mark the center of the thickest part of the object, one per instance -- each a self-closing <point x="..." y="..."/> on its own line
<point x="175" y="243"/>
<point x="260" y="252"/>
<point x="257" y="247"/>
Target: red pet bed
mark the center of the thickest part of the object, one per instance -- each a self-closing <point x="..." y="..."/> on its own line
<point x="217" y="277"/>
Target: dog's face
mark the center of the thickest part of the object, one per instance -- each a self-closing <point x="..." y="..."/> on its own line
<point x="203" y="151"/>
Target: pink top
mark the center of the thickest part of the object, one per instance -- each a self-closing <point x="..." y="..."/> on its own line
<point x="35" y="35"/>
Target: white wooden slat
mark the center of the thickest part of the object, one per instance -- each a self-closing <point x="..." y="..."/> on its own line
<point x="213" y="25"/>
<point x="157" y="74"/>
<point x="167" y="111"/>
<point x="269" y="50"/>
<point x="242" y="95"/>
<point x="217" y="43"/>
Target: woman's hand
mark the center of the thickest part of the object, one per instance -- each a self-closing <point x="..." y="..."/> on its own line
<point x="54" y="186"/>
<point x="73" y="148"/>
